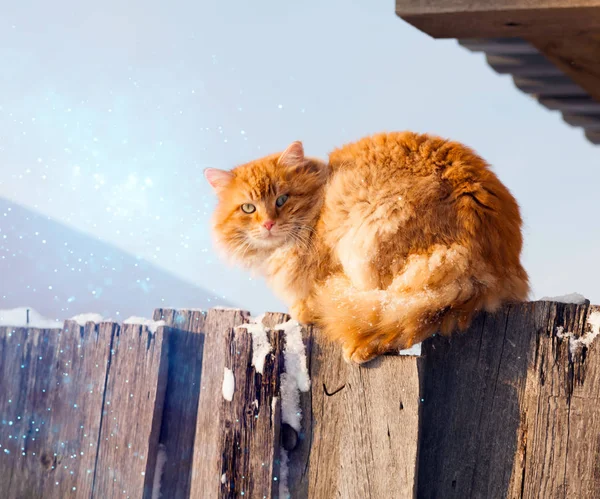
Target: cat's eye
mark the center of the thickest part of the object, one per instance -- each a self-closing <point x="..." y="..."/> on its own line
<point x="281" y="200"/>
<point x="248" y="208"/>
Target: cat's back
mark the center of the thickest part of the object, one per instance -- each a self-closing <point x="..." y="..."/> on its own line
<point x="417" y="181"/>
<point x="404" y="153"/>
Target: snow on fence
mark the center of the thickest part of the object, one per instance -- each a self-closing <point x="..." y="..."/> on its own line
<point x="509" y="409"/>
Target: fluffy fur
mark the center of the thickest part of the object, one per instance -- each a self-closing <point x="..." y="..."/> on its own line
<point x="398" y="236"/>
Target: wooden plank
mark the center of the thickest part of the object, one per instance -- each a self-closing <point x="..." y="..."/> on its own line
<point x="500" y="18"/>
<point x="561" y="410"/>
<point x="497" y="416"/>
<point x="590" y="122"/>
<point x="249" y="436"/>
<point x="550" y="86"/>
<point x="523" y="65"/>
<point x="178" y="430"/>
<point x="299" y="456"/>
<point x="471" y="413"/>
<point x="593" y="136"/>
<point x="576" y="56"/>
<point x="132" y="412"/>
<point x="53" y="384"/>
<point x="583" y="105"/>
<point x="363" y="429"/>
<point x="206" y="469"/>
<point x="499" y="46"/>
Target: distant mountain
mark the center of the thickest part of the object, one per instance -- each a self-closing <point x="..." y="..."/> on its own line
<point x="60" y="272"/>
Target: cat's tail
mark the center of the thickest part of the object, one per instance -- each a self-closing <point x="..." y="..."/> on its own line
<point x="437" y="291"/>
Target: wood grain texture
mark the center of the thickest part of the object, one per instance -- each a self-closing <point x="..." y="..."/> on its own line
<point x="362" y="427"/>
<point x="577" y="55"/>
<point x="178" y="430"/>
<point x="560" y="447"/>
<point x="206" y="469"/>
<point x="500" y="18"/>
<point x="52" y="386"/>
<point x="508" y="411"/>
<point x="532" y="65"/>
<point x="249" y="436"/>
<point x="131" y="418"/>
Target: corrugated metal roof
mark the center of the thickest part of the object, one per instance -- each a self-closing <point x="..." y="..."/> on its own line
<point x="535" y="75"/>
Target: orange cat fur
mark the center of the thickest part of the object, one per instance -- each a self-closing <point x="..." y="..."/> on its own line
<point x="400" y="235"/>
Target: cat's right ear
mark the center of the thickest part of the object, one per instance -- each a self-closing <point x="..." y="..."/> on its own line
<point x="218" y="179"/>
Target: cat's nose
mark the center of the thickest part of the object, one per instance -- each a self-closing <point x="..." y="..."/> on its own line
<point x="268" y="224"/>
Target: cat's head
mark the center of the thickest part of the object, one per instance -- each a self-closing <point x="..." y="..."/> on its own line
<point x="268" y="203"/>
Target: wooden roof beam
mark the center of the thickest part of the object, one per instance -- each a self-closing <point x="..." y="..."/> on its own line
<point x="500" y="18"/>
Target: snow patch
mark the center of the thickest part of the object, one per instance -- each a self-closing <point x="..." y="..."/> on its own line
<point x="161" y="461"/>
<point x="142" y="321"/>
<point x="27" y="317"/>
<point x="294" y="380"/>
<point x="261" y="346"/>
<point x="295" y="354"/>
<point x="585" y="340"/>
<point x="414" y="350"/>
<point x="228" y="384"/>
<point x="575" y="298"/>
<point x="82" y="319"/>
<point x="284" y="491"/>
<point x="594" y="321"/>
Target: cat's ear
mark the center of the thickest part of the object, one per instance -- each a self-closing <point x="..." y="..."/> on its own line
<point x="218" y="179"/>
<point x="293" y="155"/>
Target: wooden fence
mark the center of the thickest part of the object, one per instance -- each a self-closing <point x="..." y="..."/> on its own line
<point x="509" y="409"/>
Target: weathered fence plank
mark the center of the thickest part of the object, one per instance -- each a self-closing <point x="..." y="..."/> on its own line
<point x="206" y="470"/>
<point x="299" y="457"/>
<point x="249" y="436"/>
<point x="560" y="427"/>
<point x="508" y="409"/>
<point x="236" y="443"/>
<point x="52" y="386"/>
<point x="186" y="343"/>
<point x="132" y="413"/>
<point x="362" y="427"/>
<point x="511" y="407"/>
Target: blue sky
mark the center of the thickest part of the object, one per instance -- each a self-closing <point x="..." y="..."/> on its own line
<point x="110" y="112"/>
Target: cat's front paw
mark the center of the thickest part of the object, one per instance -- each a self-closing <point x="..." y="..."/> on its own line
<point x="301" y="313"/>
<point x="358" y="356"/>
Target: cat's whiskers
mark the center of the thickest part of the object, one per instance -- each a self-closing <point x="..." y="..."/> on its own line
<point x="242" y="245"/>
<point x="302" y="238"/>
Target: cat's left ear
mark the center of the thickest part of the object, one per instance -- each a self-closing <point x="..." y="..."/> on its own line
<point x="218" y="179"/>
<point x="293" y="155"/>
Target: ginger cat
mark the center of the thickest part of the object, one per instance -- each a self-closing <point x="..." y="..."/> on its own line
<point x="398" y="236"/>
